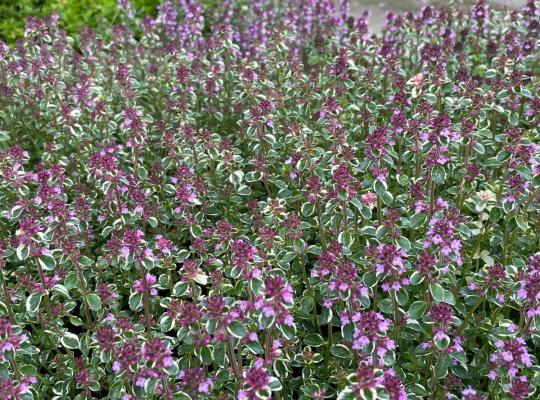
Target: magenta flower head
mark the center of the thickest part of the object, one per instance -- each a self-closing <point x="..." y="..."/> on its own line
<point x="145" y="284"/>
<point x="157" y="353"/>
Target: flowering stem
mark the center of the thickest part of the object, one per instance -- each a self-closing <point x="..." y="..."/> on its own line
<point x="344" y="211"/>
<point x="400" y="155"/>
<point x="15" y="369"/>
<point x="493" y="387"/>
<point x="379" y="210"/>
<point x="396" y="316"/>
<point x="146" y="304"/>
<point x="356" y="227"/>
<point x="304" y="272"/>
<point x="523" y="330"/>
<point x="7" y="299"/>
<point x="530" y="200"/>
<point x="267" y="187"/>
<point x="321" y="228"/>
<point x="88" y="316"/>
<point x="431" y="197"/>
<point x="469" y="315"/>
<point x="330" y="334"/>
<point x="435" y="378"/>
<point x="417" y="160"/>
<point x="12" y="319"/>
<point x="118" y="203"/>
<point x="509" y="243"/>
<point x="505" y="176"/>
<point x="234" y="365"/>
<point x="268" y="342"/>
<point x="46" y="295"/>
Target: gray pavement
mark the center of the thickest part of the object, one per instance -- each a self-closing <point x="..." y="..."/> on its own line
<point x="379" y="8"/>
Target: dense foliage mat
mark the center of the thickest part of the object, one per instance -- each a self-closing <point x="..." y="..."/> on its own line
<point x="275" y="205"/>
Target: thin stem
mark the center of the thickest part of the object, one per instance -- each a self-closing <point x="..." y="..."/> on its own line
<point x="234" y="365"/>
<point x="321" y="228"/>
<point x="396" y="317"/>
<point x="146" y="303"/>
<point x="435" y="378"/>
<point x="87" y="314"/>
<point x="268" y="342"/>
<point x="46" y="296"/>
<point x="469" y="315"/>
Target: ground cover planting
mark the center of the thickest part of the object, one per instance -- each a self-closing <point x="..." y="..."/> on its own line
<point x="261" y="199"/>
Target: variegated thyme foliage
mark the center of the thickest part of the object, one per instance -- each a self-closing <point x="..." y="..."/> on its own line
<point x="263" y="200"/>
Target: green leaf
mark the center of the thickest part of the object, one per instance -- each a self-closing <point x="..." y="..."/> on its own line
<point x="153" y="222"/>
<point x="237" y="329"/>
<point x="449" y="297"/>
<point x="314" y="250"/>
<point x="135" y="301"/>
<point x="346" y="239"/>
<point x="181" y="396"/>
<point x="87" y="262"/>
<point x="196" y="230"/>
<point x="314" y="340"/>
<point x="340" y="351"/>
<point x="437" y="292"/>
<point x="402" y="297"/>
<point x="255" y="347"/>
<point x="274" y="384"/>
<point x="166" y="323"/>
<point x="326" y="316"/>
<point x="488" y="259"/>
<point x="370" y="279"/>
<point x="32" y="302"/>
<point x="48" y="263"/>
<point x="148" y="263"/>
<point x="443" y="343"/>
<point x="308" y="209"/>
<point x="387" y="198"/>
<point x="205" y="355"/>
<point x="431" y="98"/>
<point x="404" y="243"/>
<point x="479" y="148"/>
<point x="142" y="172"/>
<point x="418" y="219"/>
<point x="417" y="310"/>
<point x="299" y="246"/>
<point x="257" y="286"/>
<point x="236" y="177"/>
<point x="94" y="301"/>
<point x="418" y="389"/>
<point x="289" y="331"/>
<point x="502" y="94"/>
<point x="244" y="190"/>
<point x="70" y="341"/>
<point x="4" y="136"/>
<point x="416" y="278"/>
<point x="379" y="187"/>
<point x="201" y="279"/>
<point x="180" y="289"/>
<point x="22" y="252"/>
<point x="253" y="176"/>
<point x="513" y="120"/>
<point x="61" y="289"/>
<point x="438" y="174"/>
<point x="522" y="222"/>
<point x="366" y="212"/>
